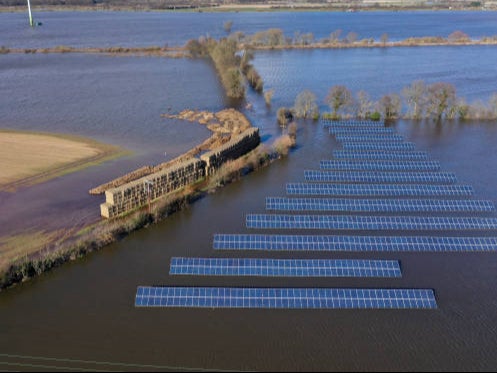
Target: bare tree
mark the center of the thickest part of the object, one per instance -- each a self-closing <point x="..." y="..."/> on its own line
<point x="415" y="97"/>
<point x="458" y="37"/>
<point x="284" y="116"/>
<point x="335" y="36"/>
<point x="339" y="97"/>
<point x="305" y="105"/>
<point x="364" y="105"/>
<point x="268" y="96"/>
<point x="384" y="39"/>
<point x="389" y="106"/>
<point x="441" y="99"/>
<point x="351" y="37"/>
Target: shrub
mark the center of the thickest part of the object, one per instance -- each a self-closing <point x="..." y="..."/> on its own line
<point x="376" y="116"/>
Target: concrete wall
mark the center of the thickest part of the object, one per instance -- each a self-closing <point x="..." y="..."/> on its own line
<point x="233" y="149"/>
<point x="138" y="193"/>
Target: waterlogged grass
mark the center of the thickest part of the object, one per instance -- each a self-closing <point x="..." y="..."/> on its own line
<point x="16" y="247"/>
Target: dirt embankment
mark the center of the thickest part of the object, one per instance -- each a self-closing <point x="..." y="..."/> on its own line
<point x="223" y="124"/>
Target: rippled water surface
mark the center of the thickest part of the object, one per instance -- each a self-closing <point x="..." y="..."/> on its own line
<point x="85" y="310"/>
<point x="102" y="29"/>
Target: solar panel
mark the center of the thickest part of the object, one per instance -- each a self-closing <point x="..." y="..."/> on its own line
<point x="369" y="138"/>
<point x="353" y="243"/>
<point x="379" y="177"/>
<point x="393" y="146"/>
<point x="284" y="267"/>
<point x="284" y="298"/>
<point x="353" y="222"/>
<point x="377" y="205"/>
<point x="349" y="165"/>
<point x="381" y="155"/>
<point x="359" y="130"/>
<point x="378" y="189"/>
<point x="351" y="123"/>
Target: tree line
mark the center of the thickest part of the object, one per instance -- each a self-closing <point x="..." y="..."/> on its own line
<point x="275" y="38"/>
<point x="418" y="101"/>
<point x="232" y="64"/>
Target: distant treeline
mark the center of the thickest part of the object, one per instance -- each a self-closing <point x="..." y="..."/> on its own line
<point x="275" y="38"/>
<point x="137" y="4"/>
<point x="437" y="101"/>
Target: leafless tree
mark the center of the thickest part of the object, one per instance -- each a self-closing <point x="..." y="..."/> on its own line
<point x="441" y="99"/>
<point x="389" y="106"/>
<point x="339" y="97"/>
<point x="364" y="105"/>
<point x="305" y="105"/>
<point x="415" y="97"/>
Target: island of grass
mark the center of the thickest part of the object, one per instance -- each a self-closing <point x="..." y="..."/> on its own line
<point x="28" y="158"/>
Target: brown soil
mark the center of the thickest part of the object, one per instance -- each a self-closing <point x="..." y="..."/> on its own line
<point x="49" y="156"/>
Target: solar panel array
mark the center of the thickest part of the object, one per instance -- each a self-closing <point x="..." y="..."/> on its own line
<point x="352" y="165"/>
<point x="360" y="131"/>
<point x="374" y="162"/>
<point x="294" y="298"/>
<point x="284" y="267"/>
<point x="381" y="155"/>
<point x="379" y="177"/>
<point x="353" y="243"/>
<point x="370" y="138"/>
<point x="378" y="189"/>
<point x="354" y="222"/>
<point x="377" y="205"/>
<point x="352" y="123"/>
<point x="393" y="146"/>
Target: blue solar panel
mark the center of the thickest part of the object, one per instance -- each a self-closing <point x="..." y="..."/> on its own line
<point x="353" y="222"/>
<point x="353" y="243"/>
<point x="370" y="138"/>
<point x="352" y="123"/>
<point x="284" y="267"/>
<point x="378" y="189"/>
<point x="393" y="146"/>
<point x="359" y="130"/>
<point x="377" y="205"/>
<point x="381" y="155"/>
<point x="349" y="165"/>
<point x="290" y="298"/>
<point x="379" y="177"/>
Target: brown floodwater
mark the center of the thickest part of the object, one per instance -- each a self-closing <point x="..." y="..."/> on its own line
<point x="82" y="315"/>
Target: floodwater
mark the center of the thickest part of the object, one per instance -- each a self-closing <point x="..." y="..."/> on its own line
<point x="83" y="316"/>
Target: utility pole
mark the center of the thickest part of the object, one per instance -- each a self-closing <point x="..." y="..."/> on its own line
<point x="31" y="23"/>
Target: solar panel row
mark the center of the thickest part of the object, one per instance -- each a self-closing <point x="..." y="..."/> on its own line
<point x="381" y="155"/>
<point x="351" y="123"/>
<point x="353" y="243"/>
<point x="295" y="298"/>
<point x="377" y="205"/>
<point x="284" y="267"/>
<point x="359" y="130"/>
<point x="352" y="165"/>
<point x="394" y="146"/>
<point x="379" y="177"/>
<point x="372" y="138"/>
<point x="352" y="222"/>
<point x="378" y="189"/>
